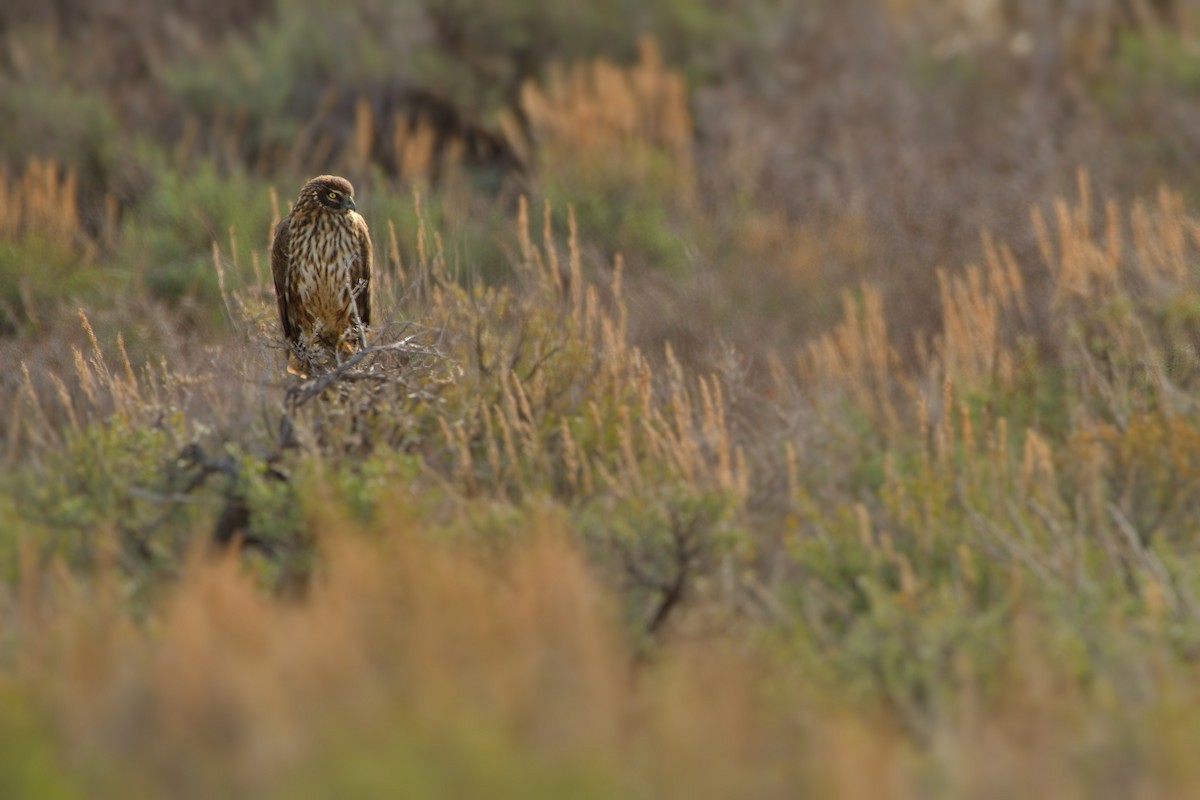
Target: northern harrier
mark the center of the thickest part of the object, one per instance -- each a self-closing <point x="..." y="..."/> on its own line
<point x="321" y="262"/>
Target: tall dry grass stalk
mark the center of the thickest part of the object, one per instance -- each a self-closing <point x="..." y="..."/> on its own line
<point x="595" y="111"/>
<point x="42" y="200"/>
<point x="94" y="391"/>
<point x="1088" y="263"/>
<point x="568" y="372"/>
<point x="1096" y="263"/>
<point x="858" y="356"/>
<point x="597" y="104"/>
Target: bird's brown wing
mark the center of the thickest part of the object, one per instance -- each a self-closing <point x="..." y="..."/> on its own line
<point x="279" y="268"/>
<point x="360" y="272"/>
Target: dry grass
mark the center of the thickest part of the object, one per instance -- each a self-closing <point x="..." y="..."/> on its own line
<point x="589" y="517"/>
<point x="598" y="110"/>
<point x="419" y="631"/>
<point x="505" y="676"/>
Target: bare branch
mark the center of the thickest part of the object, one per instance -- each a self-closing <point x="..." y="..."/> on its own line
<point x="348" y="370"/>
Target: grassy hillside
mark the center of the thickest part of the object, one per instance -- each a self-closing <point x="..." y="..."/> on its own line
<point x="765" y="399"/>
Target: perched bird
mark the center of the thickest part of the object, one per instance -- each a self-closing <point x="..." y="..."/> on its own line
<point x="321" y="262"/>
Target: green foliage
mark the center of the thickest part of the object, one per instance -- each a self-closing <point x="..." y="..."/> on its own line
<point x="30" y="761"/>
<point x="37" y="273"/>
<point x="636" y="215"/>
<point x="472" y="229"/>
<point x="104" y="481"/>
<point x="275" y="78"/>
<point x="167" y="242"/>
<point x="276" y="514"/>
<point x="58" y="122"/>
<point x="460" y="760"/>
<point x="1152" y="56"/>
<point x="1039" y="397"/>
<point x="362" y="488"/>
<point x="665" y="546"/>
<point x="1150" y="69"/>
<point x="511" y="42"/>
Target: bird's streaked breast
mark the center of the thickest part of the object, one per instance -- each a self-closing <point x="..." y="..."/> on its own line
<point x="322" y="253"/>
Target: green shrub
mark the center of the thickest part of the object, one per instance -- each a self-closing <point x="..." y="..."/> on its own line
<point x="69" y="126"/>
<point x="39" y="273"/>
<point x="167" y="241"/>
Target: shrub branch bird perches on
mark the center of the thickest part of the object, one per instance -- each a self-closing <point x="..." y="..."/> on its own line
<point x="321" y="263"/>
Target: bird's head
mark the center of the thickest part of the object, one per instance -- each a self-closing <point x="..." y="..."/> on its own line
<point x="332" y="192"/>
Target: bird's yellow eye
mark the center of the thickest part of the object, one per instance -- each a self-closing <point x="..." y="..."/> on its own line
<point x="332" y="195"/>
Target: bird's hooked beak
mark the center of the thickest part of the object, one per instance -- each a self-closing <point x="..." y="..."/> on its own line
<point x="348" y="202"/>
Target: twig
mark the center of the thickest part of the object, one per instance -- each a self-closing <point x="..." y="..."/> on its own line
<point x="303" y="392"/>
